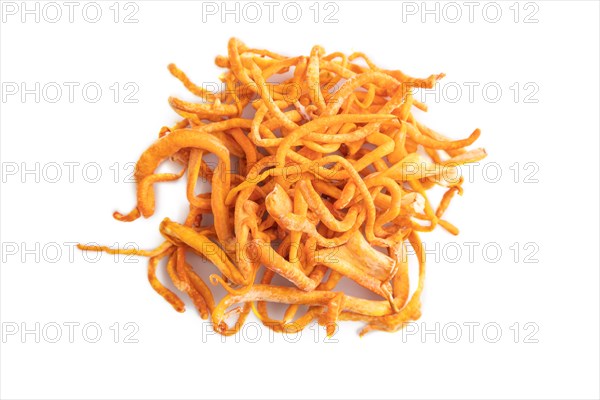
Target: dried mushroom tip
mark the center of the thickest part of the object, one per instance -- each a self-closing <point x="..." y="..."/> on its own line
<point x="331" y="165"/>
<point x="419" y="203"/>
<point x="131" y="216"/>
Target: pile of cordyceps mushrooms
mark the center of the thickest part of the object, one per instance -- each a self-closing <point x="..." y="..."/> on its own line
<point x="322" y="173"/>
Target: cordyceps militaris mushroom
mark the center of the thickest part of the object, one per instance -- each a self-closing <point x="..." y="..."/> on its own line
<point x="320" y="176"/>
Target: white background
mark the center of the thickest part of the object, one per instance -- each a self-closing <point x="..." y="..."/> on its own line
<point x="557" y="215"/>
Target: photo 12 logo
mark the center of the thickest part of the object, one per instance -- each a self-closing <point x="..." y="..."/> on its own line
<point x="452" y="12"/>
<point x="479" y="252"/>
<point x="469" y="332"/>
<point x="253" y="332"/>
<point x="53" y="12"/>
<point x="64" y="253"/>
<point x="270" y="11"/>
<point x="69" y="332"/>
<point x="69" y="92"/>
<point x="479" y="92"/>
<point x="66" y="172"/>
